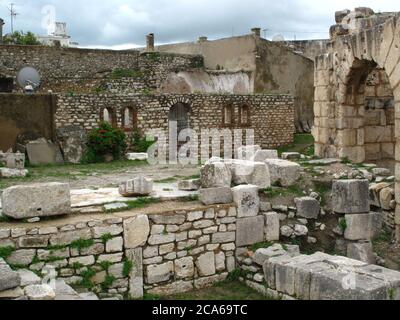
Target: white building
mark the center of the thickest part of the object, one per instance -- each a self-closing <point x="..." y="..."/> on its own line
<point x="60" y="34"/>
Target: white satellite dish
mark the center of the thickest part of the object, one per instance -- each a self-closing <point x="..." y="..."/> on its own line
<point x="278" y="37"/>
<point x="29" y="79"/>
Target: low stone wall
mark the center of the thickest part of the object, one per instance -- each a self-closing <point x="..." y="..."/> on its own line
<point x="122" y="254"/>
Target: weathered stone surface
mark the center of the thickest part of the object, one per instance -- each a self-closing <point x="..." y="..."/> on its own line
<point x="206" y="264"/>
<point x="114" y="245"/>
<point x="136" y="274"/>
<point x="287" y="231"/>
<point x="177" y="219"/>
<point x="189" y="185"/>
<point x="173" y="288"/>
<point x="140" y="186"/>
<point x="212" y="196"/>
<point x="291" y="156"/>
<point x="247" y="200"/>
<point x="362" y="252"/>
<point x="381" y="172"/>
<point x="36" y="200"/>
<point x="28" y="278"/>
<point x="21" y="257"/>
<point x="113" y="230"/>
<point x="247" y="152"/>
<point x="85" y="261"/>
<point x="13" y="160"/>
<point x="307" y="207"/>
<point x="215" y="175"/>
<point x="13" y="173"/>
<point x="249" y="172"/>
<point x="33" y="241"/>
<point x="72" y="140"/>
<point x="141" y="156"/>
<point x="282" y="172"/>
<point x="9" y="279"/>
<point x="350" y="196"/>
<point x="262" y="155"/>
<point x="160" y="273"/>
<point x="40" y="292"/>
<point x="206" y="282"/>
<point x="363" y="226"/>
<point x="272" y="226"/>
<point x="262" y="255"/>
<point x="136" y="231"/>
<point x="161" y="239"/>
<point x="15" y="293"/>
<point x="184" y="268"/>
<point x="223" y="237"/>
<point x="386" y="196"/>
<point x="220" y="262"/>
<point x="66" y="238"/>
<point x="250" y="231"/>
<point x="300" y="230"/>
<point x="42" y="152"/>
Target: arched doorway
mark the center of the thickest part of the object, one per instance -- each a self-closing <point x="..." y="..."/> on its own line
<point x="179" y="113"/>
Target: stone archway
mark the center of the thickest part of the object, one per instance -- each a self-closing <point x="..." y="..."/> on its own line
<point x="358" y="49"/>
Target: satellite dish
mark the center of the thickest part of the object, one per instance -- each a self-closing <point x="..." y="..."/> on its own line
<point x="29" y="79"/>
<point x="278" y="37"/>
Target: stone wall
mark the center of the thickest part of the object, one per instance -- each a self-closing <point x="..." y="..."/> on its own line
<point x="309" y="48"/>
<point x="271" y="116"/>
<point x="21" y="114"/>
<point x="84" y="70"/>
<point x="120" y="254"/>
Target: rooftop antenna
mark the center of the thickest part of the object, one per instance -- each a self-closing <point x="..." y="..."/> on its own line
<point x="13" y="15"/>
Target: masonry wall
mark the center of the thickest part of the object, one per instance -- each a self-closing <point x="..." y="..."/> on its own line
<point x="21" y="114"/>
<point x="172" y="252"/>
<point x="309" y="48"/>
<point x="87" y="70"/>
<point x="271" y="116"/>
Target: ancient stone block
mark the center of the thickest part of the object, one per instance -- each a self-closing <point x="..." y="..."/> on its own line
<point x="223" y="237"/>
<point x="362" y="252"/>
<point x="40" y="292"/>
<point x="73" y="140"/>
<point x="282" y="172"/>
<point x="350" y="196"/>
<point x="36" y="200"/>
<point x="140" y="186"/>
<point x="136" y="274"/>
<point x="206" y="264"/>
<point x="250" y="231"/>
<point x="363" y="226"/>
<point x="9" y="279"/>
<point x="184" y="268"/>
<point x="262" y="155"/>
<point x="212" y="196"/>
<point x="189" y="185"/>
<point x="272" y="226"/>
<point x="136" y="231"/>
<point x="215" y="175"/>
<point x="13" y="173"/>
<point x="137" y="156"/>
<point x="247" y="200"/>
<point x="307" y="207"/>
<point x="291" y="156"/>
<point x="160" y="273"/>
<point x="247" y="152"/>
<point x="42" y="152"/>
<point x="21" y="257"/>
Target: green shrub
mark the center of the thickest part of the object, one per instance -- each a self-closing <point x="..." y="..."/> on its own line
<point x="103" y="141"/>
<point x="140" y="143"/>
<point x="5" y="252"/>
<point x="126" y="73"/>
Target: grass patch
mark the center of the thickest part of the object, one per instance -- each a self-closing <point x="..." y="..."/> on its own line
<point x="106" y="237"/>
<point x="275" y="192"/>
<point x="127" y="268"/>
<point x="323" y="189"/>
<point x="5" y="252"/>
<point x="82" y="244"/>
<point x="303" y="143"/>
<point x="108" y="282"/>
<point x="343" y="224"/>
<point x="126" y="73"/>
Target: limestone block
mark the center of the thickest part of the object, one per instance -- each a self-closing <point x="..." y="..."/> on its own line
<point x="207" y="282"/>
<point x="363" y="226"/>
<point x="136" y="274"/>
<point x="114" y="245"/>
<point x="28" y="278"/>
<point x="21" y="257"/>
<point x="283" y="172"/>
<point x="223" y="237"/>
<point x="168" y="219"/>
<point x="72" y="140"/>
<point x="189" y="185"/>
<point x="140" y="186"/>
<point x="215" y="175"/>
<point x="36" y="200"/>
<point x="307" y="207"/>
<point x="137" y="156"/>
<point x="262" y="155"/>
<point x="9" y="279"/>
<point x="350" y="196"/>
<point x="291" y="156"/>
<point x="362" y="252"/>
<point x="42" y="152"/>
<point x="272" y="226"/>
<point x="136" y="231"/>
<point x="211" y="196"/>
<point x="40" y="292"/>
<point x="262" y="255"/>
<point x="205" y="264"/>
<point x="184" y="268"/>
<point x="160" y="273"/>
<point x="247" y="200"/>
<point x="249" y="231"/>
<point x="249" y="172"/>
<point x="176" y="287"/>
<point x="247" y="152"/>
<point x="386" y="196"/>
<point x="13" y="173"/>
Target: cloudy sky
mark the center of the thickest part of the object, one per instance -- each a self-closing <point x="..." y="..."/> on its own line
<point x="124" y="23"/>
